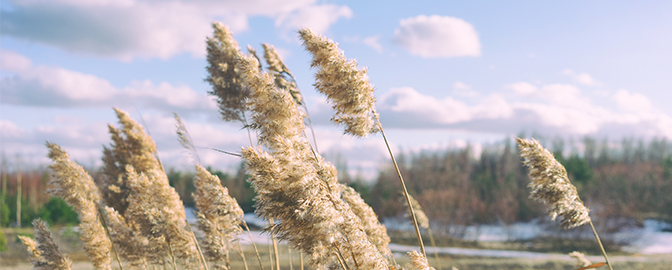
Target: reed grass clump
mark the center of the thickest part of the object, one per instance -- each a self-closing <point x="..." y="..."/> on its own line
<point x="296" y="186"/>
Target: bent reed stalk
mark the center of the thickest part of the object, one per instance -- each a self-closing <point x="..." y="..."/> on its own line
<point x="550" y="185"/>
<point x="351" y="95"/>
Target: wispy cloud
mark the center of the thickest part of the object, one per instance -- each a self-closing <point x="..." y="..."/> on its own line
<point x="49" y="86"/>
<point x="437" y="36"/>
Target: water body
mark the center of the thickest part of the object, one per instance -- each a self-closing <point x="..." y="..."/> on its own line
<point x="654" y="237"/>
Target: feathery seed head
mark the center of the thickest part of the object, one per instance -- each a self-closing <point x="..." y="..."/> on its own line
<point x="420" y="216"/>
<point x="130" y="146"/>
<point x="418" y="261"/>
<point x="581" y="260"/>
<point x="75" y="186"/>
<point x="283" y="77"/>
<point x="219" y="216"/>
<point x="346" y="86"/>
<point x="224" y="76"/>
<point x="45" y="254"/>
<point x="551" y="185"/>
<point x="376" y="232"/>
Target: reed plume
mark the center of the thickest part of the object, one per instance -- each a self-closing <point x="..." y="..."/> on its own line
<point x="133" y="247"/>
<point x="581" y="260"/>
<point x="75" y="186"/>
<point x="151" y="209"/>
<point x="130" y="146"/>
<point x="550" y="185"/>
<point x="219" y="216"/>
<point x="157" y="212"/>
<point x="224" y="76"/>
<point x="376" y="232"/>
<point x="418" y="261"/>
<point x="420" y="216"/>
<point x="44" y="253"/>
<point x="346" y="86"/>
<point x="282" y="76"/>
<point x="296" y="186"/>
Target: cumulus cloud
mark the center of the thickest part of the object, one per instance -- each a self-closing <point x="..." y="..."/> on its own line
<point x="437" y="36"/>
<point x="134" y="28"/>
<point x="632" y="102"/>
<point x="552" y="109"/>
<point x="48" y="86"/>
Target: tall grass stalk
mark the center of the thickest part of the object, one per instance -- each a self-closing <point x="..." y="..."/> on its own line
<point x="597" y="237"/>
<point x="406" y="195"/>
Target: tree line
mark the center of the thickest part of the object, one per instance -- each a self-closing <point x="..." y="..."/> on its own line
<point x="619" y="181"/>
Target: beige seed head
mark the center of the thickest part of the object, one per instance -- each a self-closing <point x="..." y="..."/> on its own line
<point x="418" y="261"/>
<point x="346" y="86"/>
<point x="551" y="185"/>
<point x="224" y="76"/>
<point x="581" y="260"/>
<point x="45" y="254"/>
<point x="75" y="186"/>
<point x="281" y="74"/>
<point x="376" y="232"/>
<point x="219" y="216"/>
<point x="130" y="146"/>
<point x="420" y="216"/>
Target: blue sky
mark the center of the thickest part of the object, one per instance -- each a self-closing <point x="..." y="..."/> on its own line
<point x="447" y="73"/>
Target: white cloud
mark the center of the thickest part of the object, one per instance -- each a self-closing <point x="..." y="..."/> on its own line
<point x="133" y="28"/>
<point x="632" y="102"/>
<point x="582" y="78"/>
<point x="552" y="109"/>
<point x="49" y="86"/>
<point x="437" y="36"/>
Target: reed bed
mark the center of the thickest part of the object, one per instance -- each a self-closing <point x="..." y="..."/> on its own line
<point x="132" y="216"/>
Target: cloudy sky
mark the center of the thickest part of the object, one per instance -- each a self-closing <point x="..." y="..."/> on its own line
<point x="446" y="73"/>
